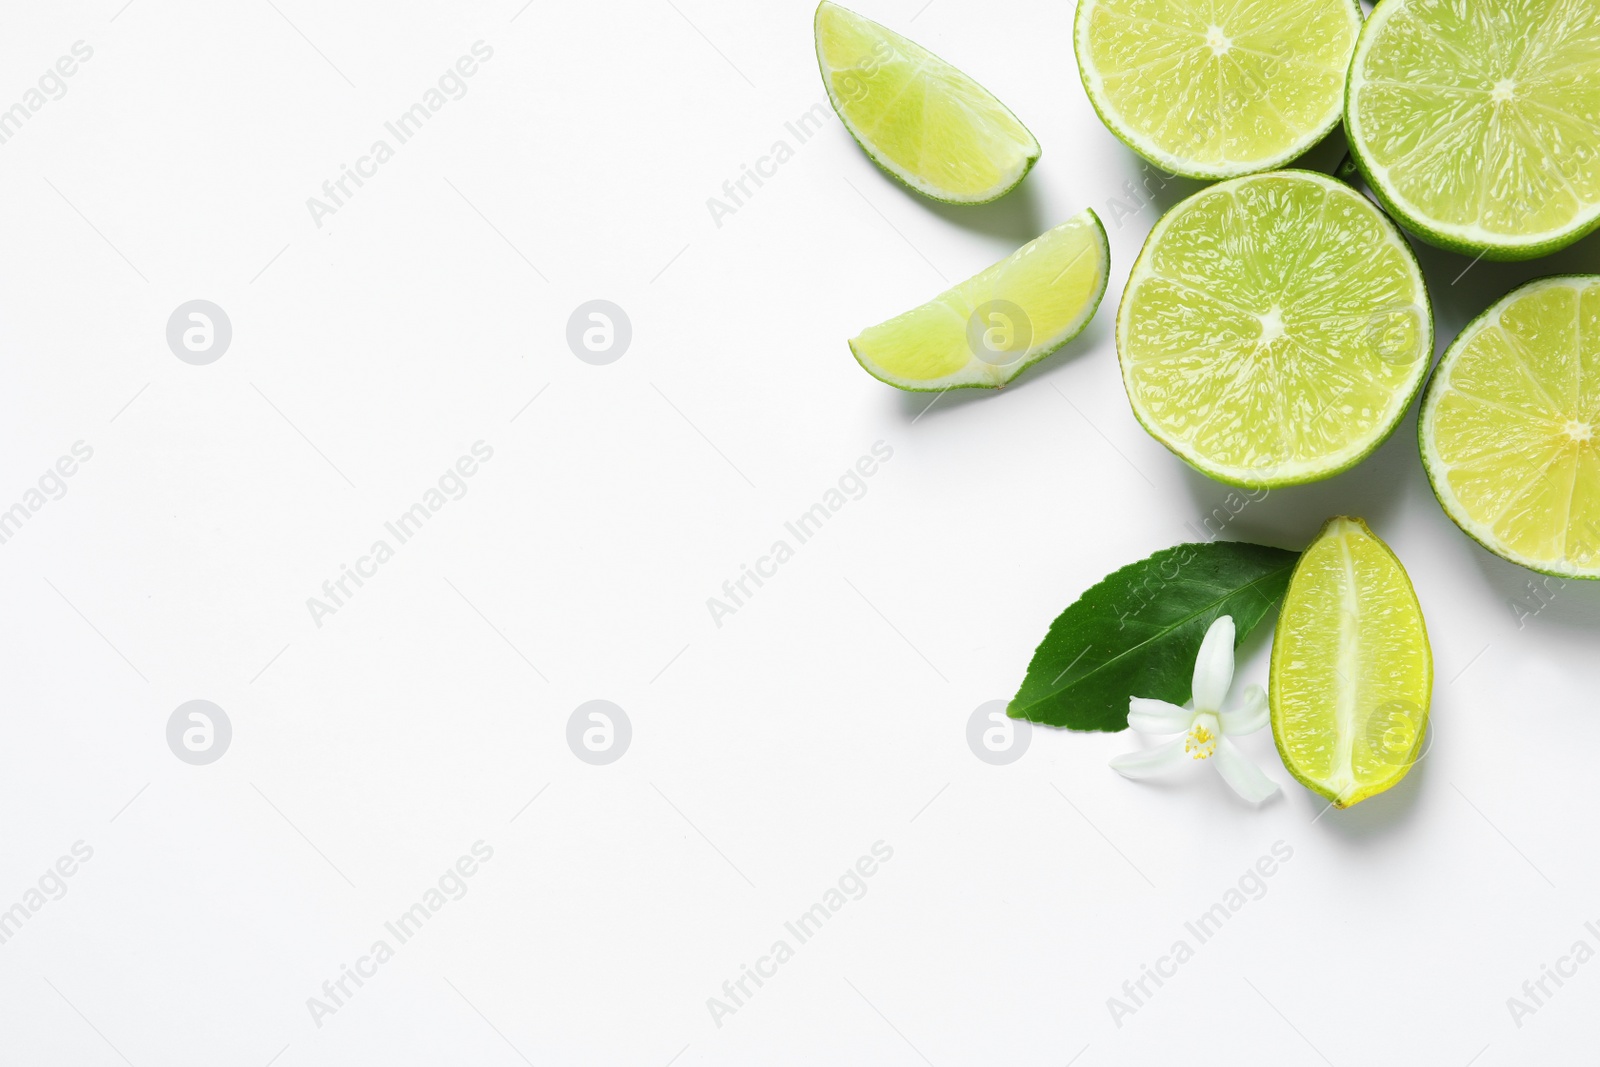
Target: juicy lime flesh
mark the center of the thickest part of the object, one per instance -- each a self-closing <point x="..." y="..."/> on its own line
<point x="1274" y="329"/>
<point x="1352" y="674"/>
<point x="1216" y="88"/>
<point x="1480" y="121"/>
<point x="1511" y="429"/>
<point x="1017" y="311"/>
<point x="921" y="119"/>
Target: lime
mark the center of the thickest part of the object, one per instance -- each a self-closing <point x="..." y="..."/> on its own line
<point x="1509" y="426"/>
<point x="1274" y="329"/>
<point x="922" y="120"/>
<point x="996" y="324"/>
<point x="1217" y="88"/>
<point x="1352" y="674"/>
<point x="1478" y="123"/>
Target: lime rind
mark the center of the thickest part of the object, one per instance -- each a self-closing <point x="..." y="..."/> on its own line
<point x="1358" y="449"/>
<point x="1307" y="132"/>
<point x="998" y="127"/>
<point x="977" y="373"/>
<point x="1436" y="467"/>
<point x="1287" y="616"/>
<point x="1471" y="240"/>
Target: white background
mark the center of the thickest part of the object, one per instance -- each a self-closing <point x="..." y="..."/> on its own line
<point x="768" y="754"/>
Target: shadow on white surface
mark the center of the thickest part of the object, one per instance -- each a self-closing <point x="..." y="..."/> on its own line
<point x="1571" y="602"/>
<point x="1290" y="518"/>
<point x="1390" y="812"/>
<point x="1017" y="217"/>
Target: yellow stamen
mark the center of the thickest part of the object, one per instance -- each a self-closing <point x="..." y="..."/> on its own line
<point x="1200" y="742"/>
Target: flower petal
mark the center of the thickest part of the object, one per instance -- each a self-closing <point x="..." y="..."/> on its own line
<point x="1150" y="716"/>
<point x="1147" y="762"/>
<point x="1213" y="667"/>
<point x="1248" y="780"/>
<point x="1249" y="716"/>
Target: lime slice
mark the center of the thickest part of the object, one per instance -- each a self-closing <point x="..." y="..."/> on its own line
<point x="1217" y="88"/>
<point x="922" y="120"/>
<point x="1509" y="426"/>
<point x="1274" y="329"/>
<point x="1478" y="123"/>
<point x="993" y="326"/>
<point x="1352" y="674"/>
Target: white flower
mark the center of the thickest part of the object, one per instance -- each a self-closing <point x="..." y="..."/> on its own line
<point x="1206" y="727"/>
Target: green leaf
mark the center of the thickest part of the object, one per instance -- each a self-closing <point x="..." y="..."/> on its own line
<point x="1137" y="632"/>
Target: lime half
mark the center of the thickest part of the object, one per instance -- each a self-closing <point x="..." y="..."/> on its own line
<point x="1274" y="329"/>
<point x="1510" y="423"/>
<point x="993" y="326"/>
<point x="1352" y="674"/>
<point x="1478" y="122"/>
<point x="922" y="120"/>
<point x="1217" y="88"/>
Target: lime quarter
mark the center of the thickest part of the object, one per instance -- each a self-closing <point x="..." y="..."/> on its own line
<point x="993" y="326"/>
<point x="1352" y="673"/>
<point x="930" y="126"/>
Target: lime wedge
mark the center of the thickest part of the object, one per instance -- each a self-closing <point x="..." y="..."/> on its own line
<point x="1217" y="88"/>
<point x="1274" y="329"/>
<point x="993" y="326"/>
<point x="1478" y="123"/>
<point x="1509" y="427"/>
<point x="922" y="120"/>
<point x="1352" y="674"/>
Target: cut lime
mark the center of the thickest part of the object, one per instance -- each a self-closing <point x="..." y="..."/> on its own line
<point x="1352" y="674"/>
<point x="1217" y="88"/>
<point x="993" y="326"/>
<point x="922" y="120"/>
<point x="1274" y="329"/>
<point x="1478" y="122"/>
<point x="1509" y="427"/>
